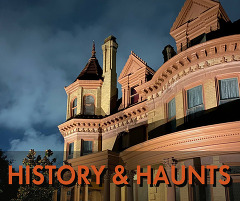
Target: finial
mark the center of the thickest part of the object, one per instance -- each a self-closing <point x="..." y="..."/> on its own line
<point x="93" y="50"/>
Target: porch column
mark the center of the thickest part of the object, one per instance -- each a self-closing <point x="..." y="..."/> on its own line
<point x="106" y="194"/>
<point x="76" y="192"/>
<point x="171" y="192"/>
<point x="85" y="192"/>
<point x="130" y="175"/>
<point x="63" y="194"/>
<point x="117" y="193"/>
<point x="54" y="195"/>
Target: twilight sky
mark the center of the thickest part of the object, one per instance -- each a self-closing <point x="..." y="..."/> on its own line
<point x="44" y="44"/>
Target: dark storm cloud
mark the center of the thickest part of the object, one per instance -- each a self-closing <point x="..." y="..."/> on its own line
<point x="44" y="44"/>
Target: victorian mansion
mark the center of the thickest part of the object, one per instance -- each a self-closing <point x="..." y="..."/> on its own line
<point x="185" y="113"/>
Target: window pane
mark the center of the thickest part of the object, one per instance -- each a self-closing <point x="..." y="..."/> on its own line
<point x="75" y="103"/>
<point x="87" y="147"/>
<point x="229" y="88"/>
<point x="234" y="192"/>
<point x="133" y="91"/>
<point x="89" y="100"/>
<point x="70" y="150"/>
<point x="134" y="95"/>
<point x="195" y="109"/>
<point x="89" y="110"/>
<point x="194" y="97"/>
<point x="89" y="107"/>
<point x="171" y="109"/>
<point x="74" y="111"/>
<point x="134" y="99"/>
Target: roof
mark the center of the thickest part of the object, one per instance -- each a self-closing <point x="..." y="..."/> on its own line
<point x="92" y="70"/>
<point x="192" y="9"/>
<point x="133" y="64"/>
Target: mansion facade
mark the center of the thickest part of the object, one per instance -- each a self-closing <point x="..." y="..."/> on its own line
<point x="185" y="113"/>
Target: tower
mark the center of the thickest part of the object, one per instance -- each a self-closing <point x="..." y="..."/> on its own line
<point x="109" y="87"/>
<point x="84" y="94"/>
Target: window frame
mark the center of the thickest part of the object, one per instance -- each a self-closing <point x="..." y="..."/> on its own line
<point x="83" y="103"/>
<point x="82" y="141"/>
<point x="73" y="108"/>
<point x="235" y="179"/>
<point x="167" y="112"/>
<point x="185" y="89"/>
<point x="223" y="77"/>
<point x="68" y="146"/>
<point x="136" y="94"/>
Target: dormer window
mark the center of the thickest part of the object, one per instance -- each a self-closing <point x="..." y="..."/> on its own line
<point x="88" y="105"/>
<point x="134" y="95"/>
<point x="74" y="107"/>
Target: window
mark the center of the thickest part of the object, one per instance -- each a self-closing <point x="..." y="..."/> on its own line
<point x="234" y="193"/>
<point x="70" y="150"/>
<point x="200" y="39"/>
<point x="125" y="140"/>
<point x="194" y="100"/>
<point x="228" y="89"/>
<point x="233" y="189"/>
<point x="134" y="95"/>
<point x="171" y="109"/>
<point x="89" y="107"/>
<point x="74" y="108"/>
<point x="87" y="147"/>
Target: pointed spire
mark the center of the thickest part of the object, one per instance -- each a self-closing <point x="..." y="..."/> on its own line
<point x="93" y="50"/>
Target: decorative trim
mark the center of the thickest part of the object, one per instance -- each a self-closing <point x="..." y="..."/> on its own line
<point x="86" y="84"/>
<point x="190" y="61"/>
<point x="130" y="115"/>
<point x="215" y="139"/>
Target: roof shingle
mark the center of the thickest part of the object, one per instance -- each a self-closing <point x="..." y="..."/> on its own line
<point x="92" y="70"/>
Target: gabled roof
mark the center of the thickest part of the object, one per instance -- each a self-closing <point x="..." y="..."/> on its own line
<point x="191" y="10"/>
<point x="92" y="70"/>
<point x="133" y="64"/>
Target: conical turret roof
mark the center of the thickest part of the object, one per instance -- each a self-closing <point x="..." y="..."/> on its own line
<point x="92" y="70"/>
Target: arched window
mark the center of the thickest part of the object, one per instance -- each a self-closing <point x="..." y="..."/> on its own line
<point x="88" y="105"/>
<point x="74" y="107"/>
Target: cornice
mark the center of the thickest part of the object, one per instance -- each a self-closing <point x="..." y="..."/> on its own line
<point x="127" y="116"/>
<point x="199" y="57"/>
<point x="210" y="140"/>
<point x="79" y="125"/>
<point x="87" y="84"/>
<point x="134" y="114"/>
<point x="187" y="7"/>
